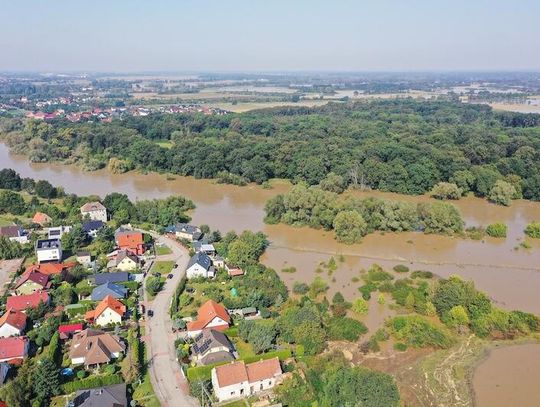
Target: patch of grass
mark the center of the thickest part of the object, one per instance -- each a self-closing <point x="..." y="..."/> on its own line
<point x="163" y="267"/>
<point x="165" y="143"/>
<point x="244" y="349"/>
<point x="163" y="250"/>
<point x="288" y="270"/>
<point x="401" y="268"/>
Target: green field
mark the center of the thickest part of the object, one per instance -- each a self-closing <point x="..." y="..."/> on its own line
<point x="163" y="267"/>
<point x="163" y="250"/>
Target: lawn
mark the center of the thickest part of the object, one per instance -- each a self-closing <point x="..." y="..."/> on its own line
<point x="163" y="267"/>
<point x="164" y="143"/>
<point x="244" y="349"/>
<point x="163" y="250"/>
<point x="144" y="393"/>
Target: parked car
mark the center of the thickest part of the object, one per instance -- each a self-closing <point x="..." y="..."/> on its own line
<point x="170" y="276"/>
<point x="150" y="313"/>
<point x="175" y="265"/>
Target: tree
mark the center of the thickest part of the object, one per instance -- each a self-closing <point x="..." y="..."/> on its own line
<point x="10" y="179"/>
<point x="262" y="336"/>
<point x="153" y="285"/>
<point x="440" y="217"/>
<point x="44" y="189"/>
<point x="74" y="239"/>
<point x="446" y="190"/>
<point x="12" y="202"/>
<point x="9" y="250"/>
<point x="333" y="183"/>
<point x="457" y="317"/>
<point x="46" y="380"/>
<point x="464" y="180"/>
<point x="311" y="335"/>
<point x="360" y="306"/>
<point x="350" y="227"/>
<point x="502" y="193"/>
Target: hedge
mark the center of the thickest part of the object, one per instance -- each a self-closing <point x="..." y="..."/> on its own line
<point x="204" y="372"/>
<point x="91" y="382"/>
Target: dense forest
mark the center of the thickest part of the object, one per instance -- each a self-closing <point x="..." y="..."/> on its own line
<point x="401" y="146"/>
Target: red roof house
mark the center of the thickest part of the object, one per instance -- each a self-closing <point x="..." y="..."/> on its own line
<point x="30" y="281"/>
<point x="41" y="218"/>
<point x="67" y="331"/>
<point x="210" y="315"/>
<point x="22" y="302"/>
<point x="12" y="323"/>
<point x="52" y="268"/>
<point x="108" y="311"/>
<point x="13" y="349"/>
<point x="131" y="241"/>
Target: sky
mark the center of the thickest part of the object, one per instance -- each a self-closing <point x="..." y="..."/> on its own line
<point x="269" y="35"/>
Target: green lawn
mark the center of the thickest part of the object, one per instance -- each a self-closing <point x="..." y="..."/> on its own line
<point x="164" y="143"/>
<point x="163" y="267"/>
<point x="244" y="349"/>
<point x="163" y="250"/>
<point x="4" y="221"/>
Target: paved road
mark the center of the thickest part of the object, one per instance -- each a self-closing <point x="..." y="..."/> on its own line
<point x="169" y="385"/>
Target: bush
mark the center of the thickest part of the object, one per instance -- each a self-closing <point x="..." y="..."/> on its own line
<point x="300" y="288"/>
<point x="91" y="382"/>
<point x="418" y="332"/>
<point x="360" y="306"/>
<point x="502" y="193"/>
<point x="343" y="328"/>
<point x="421" y="274"/>
<point x="446" y="190"/>
<point x="400" y="268"/>
<point x="399" y="346"/>
<point x="533" y="230"/>
<point x="497" y="230"/>
<point x="289" y="270"/>
<point x="153" y="285"/>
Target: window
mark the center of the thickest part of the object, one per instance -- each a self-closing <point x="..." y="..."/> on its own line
<point x="269" y="382"/>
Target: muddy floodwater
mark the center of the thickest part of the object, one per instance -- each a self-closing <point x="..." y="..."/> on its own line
<point x="509" y="377"/>
<point x="509" y="273"/>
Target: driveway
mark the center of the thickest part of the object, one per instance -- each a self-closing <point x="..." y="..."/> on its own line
<point x="169" y="385"/>
<point x="6" y="268"/>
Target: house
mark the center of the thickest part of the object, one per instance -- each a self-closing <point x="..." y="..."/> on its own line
<point x="234" y="271"/>
<point x="94" y="211"/>
<point x="212" y="346"/>
<point x="52" y="269"/>
<point x="12" y="323"/>
<point x="48" y="250"/>
<point x="210" y="315"/>
<point x="31" y="281"/>
<point x="131" y="241"/>
<point x="15" y="233"/>
<point x="4" y="369"/>
<point x="218" y="262"/>
<point x="204" y="247"/>
<point x="41" y="219"/>
<point x="67" y="331"/>
<point x="109" y="396"/>
<point x="237" y="379"/>
<point x="200" y="265"/>
<point x="91" y="347"/>
<point x="103" y="290"/>
<point x="108" y="311"/>
<point x="22" y="302"/>
<point x="124" y="260"/>
<point x="57" y="232"/>
<point x="102" y="278"/>
<point x="14" y="349"/>
<point x="84" y="258"/>
<point x="91" y="227"/>
<point x="185" y="231"/>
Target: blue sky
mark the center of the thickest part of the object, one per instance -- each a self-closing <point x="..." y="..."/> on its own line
<point x="269" y="35"/>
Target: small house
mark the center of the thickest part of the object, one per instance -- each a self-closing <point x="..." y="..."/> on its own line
<point x="31" y="281"/>
<point x="203" y="246"/>
<point x="94" y="211"/>
<point x="41" y="219"/>
<point x="15" y="233"/>
<point x="102" y="278"/>
<point x="67" y="331"/>
<point x="48" y="250"/>
<point x="131" y="241"/>
<point x="14" y="349"/>
<point x="108" y="311"/>
<point x="210" y="315"/>
<point x="185" y="231"/>
<point x="108" y="396"/>
<point x="93" y="348"/>
<point x="212" y="346"/>
<point x="200" y="265"/>
<point x="84" y="258"/>
<point x="57" y="232"/>
<point x="92" y="227"/>
<point x="23" y="302"/>
<point x="114" y="290"/>
<point x="124" y="261"/>
<point x="12" y="323"/>
<point x="233" y="271"/>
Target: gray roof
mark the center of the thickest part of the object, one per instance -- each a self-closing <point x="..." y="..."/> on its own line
<point x="122" y="254"/>
<point x="102" y="278"/>
<point x="209" y="339"/>
<point x="101" y="291"/>
<point x="45" y="244"/>
<point x="110" y="396"/>
<point x="202" y="259"/>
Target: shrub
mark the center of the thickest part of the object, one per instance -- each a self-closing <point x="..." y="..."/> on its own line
<point x="289" y="270"/>
<point x="360" y="306"/>
<point x="400" y="268"/>
<point x="400" y="346"/>
<point x="418" y="332"/>
<point x="533" y="230"/>
<point x="497" y="230"/>
<point x="343" y="328"/>
<point x="446" y="190"/>
<point x="300" y="288"/>
<point x="91" y="382"/>
<point x="421" y="274"/>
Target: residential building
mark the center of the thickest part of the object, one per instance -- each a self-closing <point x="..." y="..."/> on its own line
<point x="204" y="247"/>
<point x="200" y="265"/>
<point x="210" y="315"/>
<point x="52" y="269"/>
<point x="102" y="278"/>
<point x="48" y="250"/>
<point x="108" y="311"/>
<point x="237" y="379"/>
<point x="15" y="233"/>
<point x="84" y="258"/>
<point x="12" y="323"/>
<point x="233" y="271"/>
<point x="57" y="232"/>
<point x="212" y="346"/>
<point x="41" y="219"/>
<point x="68" y="330"/>
<point x="91" y="227"/>
<point x="114" y="290"/>
<point x="94" y="211"/>
<point x="4" y="369"/>
<point x="92" y="348"/>
<point x="124" y="261"/>
<point x="22" y="302"/>
<point x="185" y="231"/>
<point x="218" y="262"/>
<point x="131" y="241"/>
<point x="14" y="349"/>
<point x="109" y="396"/>
<point x="31" y="281"/>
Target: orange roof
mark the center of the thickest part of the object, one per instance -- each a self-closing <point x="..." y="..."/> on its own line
<point x="41" y="218"/>
<point x="21" y="302"/>
<point x="238" y="372"/>
<point x="16" y="319"/>
<point x="130" y="239"/>
<point x="107" y="302"/>
<point x="207" y="312"/>
<point x="51" y="268"/>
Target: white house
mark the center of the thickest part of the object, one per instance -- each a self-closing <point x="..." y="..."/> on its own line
<point x="95" y="211"/>
<point x="108" y="311"/>
<point x="210" y="315"/>
<point x="124" y="261"/>
<point x="236" y="380"/>
<point x="48" y="250"/>
<point x="56" y="232"/>
<point x="93" y="348"/>
<point x="12" y="323"/>
<point x="200" y="265"/>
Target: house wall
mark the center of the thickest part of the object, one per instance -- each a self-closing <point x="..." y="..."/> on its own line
<point x="196" y="270"/>
<point x="77" y="361"/>
<point x="217" y="321"/>
<point x="28" y="287"/>
<point x="234" y="391"/>
<point x="183" y="235"/>
<point x="20" y="239"/>
<point x="7" y="330"/>
<point x="108" y="317"/>
<point x="96" y="215"/>
<point x="49" y="255"/>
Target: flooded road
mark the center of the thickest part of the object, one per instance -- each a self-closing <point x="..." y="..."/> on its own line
<point x="509" y="377"/>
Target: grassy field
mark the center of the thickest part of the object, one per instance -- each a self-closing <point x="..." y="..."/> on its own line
<point x="163" y="250"/>
<point x="164" y="144"/>
<point x="163" y="267"/>
<point x="144" y="393"/>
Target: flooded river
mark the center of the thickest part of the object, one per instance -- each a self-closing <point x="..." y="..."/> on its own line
<point x="509" y="273"/>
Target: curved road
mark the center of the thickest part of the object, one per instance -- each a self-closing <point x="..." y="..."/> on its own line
<point x="170" y="386"/>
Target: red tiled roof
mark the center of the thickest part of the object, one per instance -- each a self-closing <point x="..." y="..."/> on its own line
<point x="238" y="372"/>
<point x="51" y="268"/>
<point x="107" y="302"/>
<point x="22" y="302"/>
<point x="41" y="218"/>
<point x="207" y="312"/>
<point x="16" y="319"/>
<point x="13" y="348"/>
<point x="34" y="276"/>
<point x="70" y="328"/>
<point x="232" y="373"/>
<point x="263" y="369"/>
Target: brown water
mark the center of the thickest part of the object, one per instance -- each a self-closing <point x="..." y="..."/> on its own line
<point x="509" y="377"/>
<point x="511" y="277"/>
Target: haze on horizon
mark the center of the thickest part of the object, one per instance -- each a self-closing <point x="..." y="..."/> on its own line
<point x="278" y="35"/>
